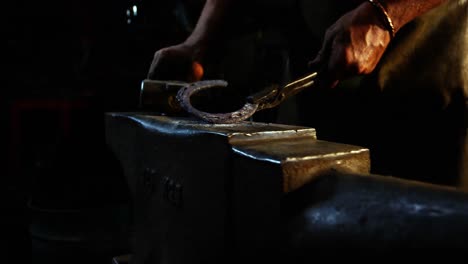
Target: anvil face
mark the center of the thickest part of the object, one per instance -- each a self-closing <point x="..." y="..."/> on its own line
<point x="294" y="150"/>
<point x="200" y="183"/>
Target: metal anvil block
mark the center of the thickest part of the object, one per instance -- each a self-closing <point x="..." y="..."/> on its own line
<point x="204" y="191"/>
<point x="227" y="193"/>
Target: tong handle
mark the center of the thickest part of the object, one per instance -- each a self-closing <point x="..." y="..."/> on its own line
<point x="274" y="95"/>
<point x="296" y="86"/>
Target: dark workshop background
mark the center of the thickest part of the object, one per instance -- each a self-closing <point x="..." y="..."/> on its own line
<point x="67" y="63"/>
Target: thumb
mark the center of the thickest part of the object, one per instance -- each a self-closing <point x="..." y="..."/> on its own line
<point x="322" y="56"/>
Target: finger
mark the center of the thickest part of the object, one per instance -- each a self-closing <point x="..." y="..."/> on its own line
<point x="150" y="74"/>
<point x="153" y="66"/>
<point x="170" y="65"/>
<point x="327" y="80"/>
<point x="324" y="52"/>
<point x="325" y="62"/>
<point x="332" y="71"/>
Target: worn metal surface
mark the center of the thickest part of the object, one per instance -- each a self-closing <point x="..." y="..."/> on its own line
<point x="295" y="150"/>
<point x="203" y="190"/>
<point x="303" y="159"/>
<point x="216" y="192"/>
<point x="352" y="211"/>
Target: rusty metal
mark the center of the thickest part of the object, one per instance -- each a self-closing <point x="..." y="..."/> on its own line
<point x="185" y="94"/>
<point x="270" y="97"/>
<point x="176" y="98"/>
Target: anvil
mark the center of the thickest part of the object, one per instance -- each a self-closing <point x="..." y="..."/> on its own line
<point x="206" y="193"/>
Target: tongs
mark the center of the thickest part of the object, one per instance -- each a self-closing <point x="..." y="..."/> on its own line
<point x="270" y="97"/>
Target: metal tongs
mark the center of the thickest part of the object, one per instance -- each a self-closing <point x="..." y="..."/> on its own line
<point x="270" y="97"/>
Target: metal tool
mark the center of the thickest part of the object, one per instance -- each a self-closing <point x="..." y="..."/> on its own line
<point x="270" y="97"/>
<point x="160" y="96"/>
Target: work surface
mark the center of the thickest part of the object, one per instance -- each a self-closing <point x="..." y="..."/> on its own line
<point x="206" y="192"/>
<point x="296" y="151"/>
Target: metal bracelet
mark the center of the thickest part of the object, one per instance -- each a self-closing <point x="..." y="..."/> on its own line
<point x="387" y="20"/>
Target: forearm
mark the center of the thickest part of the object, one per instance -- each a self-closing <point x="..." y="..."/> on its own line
<point x="403" y="11"/>
<point x="208" y="25"/>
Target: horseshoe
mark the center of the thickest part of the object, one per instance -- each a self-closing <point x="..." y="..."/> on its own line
<point x="184" y="94"/>
<point x="269" y="97"/>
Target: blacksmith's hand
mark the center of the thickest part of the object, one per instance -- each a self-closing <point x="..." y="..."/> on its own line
<point x="176" y="63"/>
<point x="353" y="46"/>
